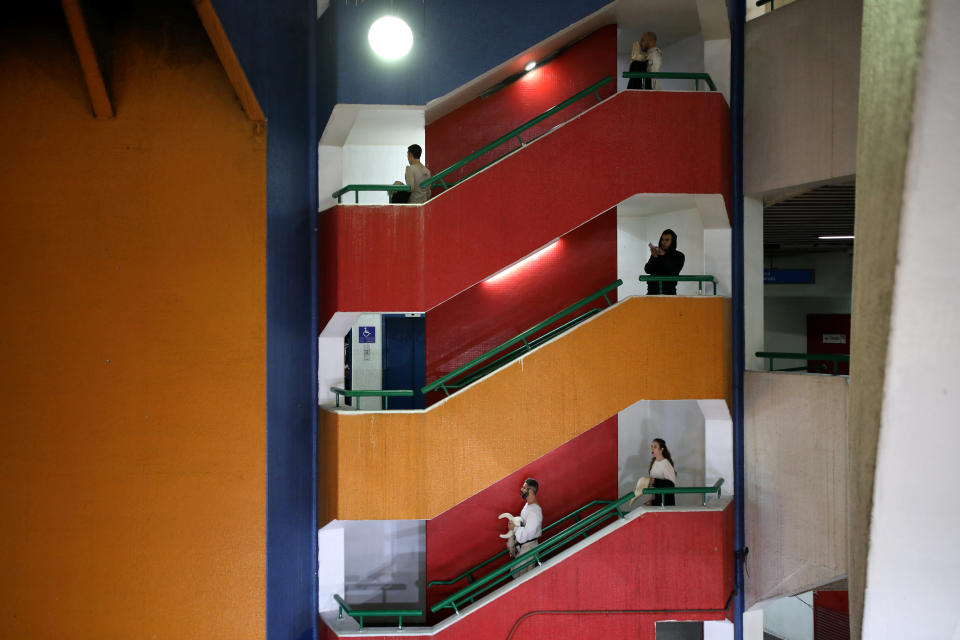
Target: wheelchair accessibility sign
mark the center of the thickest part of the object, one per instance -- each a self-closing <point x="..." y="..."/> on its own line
<point x="368" y="335"/>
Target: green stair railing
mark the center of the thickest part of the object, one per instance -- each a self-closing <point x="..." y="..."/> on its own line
<point x="500" y="575"/>
<point x="834" y="358"/>
<point x="439" y="179"/>
<point x="386" y="394"/>
<point x="524" y="342"/>
<point x="468" y="575"/>
<point x="389" y="188"/>
<point x="478" y="587"/>
<point x="674" y="75"/>
<point x="698" y="279"/>
<point x="704" y="491"/>
<point x="360" y="614"/>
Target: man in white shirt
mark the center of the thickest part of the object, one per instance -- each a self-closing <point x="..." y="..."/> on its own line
<point x="646" y="56"/>
<point x="528" y="534"/>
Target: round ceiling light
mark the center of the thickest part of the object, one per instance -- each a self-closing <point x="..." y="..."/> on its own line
<point x="390" y="38"/>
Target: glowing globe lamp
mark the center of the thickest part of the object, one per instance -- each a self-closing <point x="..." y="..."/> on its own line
<point x="390" y="38"/>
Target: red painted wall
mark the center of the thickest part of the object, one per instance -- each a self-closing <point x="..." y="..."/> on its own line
<point x="570" y="476"/>
<point x="494" y="311"/>
<point x="402" y="258"/>
<point x="662" y="566"/>
<point x="831" y="615"/>
<point x="483" y="120"/>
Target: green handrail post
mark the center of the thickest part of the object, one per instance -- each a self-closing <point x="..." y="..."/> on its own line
<point x="835" y="358"/>
<point x="672" y="75"/>
<point x="700" y="279"/>
<point x="440" y="382"/>
<point x="386" y="394"/>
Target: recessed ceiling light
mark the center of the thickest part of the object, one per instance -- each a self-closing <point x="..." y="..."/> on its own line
<point x="836" y="237"/>
<point x="530" y="65"/>
<point x="390" y="38"/>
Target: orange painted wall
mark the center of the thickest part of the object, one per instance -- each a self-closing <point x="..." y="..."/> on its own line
<point x="132" y="437"/>
<point x="386" y="466"/>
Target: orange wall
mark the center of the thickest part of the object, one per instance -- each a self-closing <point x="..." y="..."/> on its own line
<point x="132" y="458"/>
<point x="386" y="466"/>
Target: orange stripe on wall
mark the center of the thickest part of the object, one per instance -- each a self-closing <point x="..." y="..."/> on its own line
<point x="383" y="465"/>
<point x="132" y="439"/>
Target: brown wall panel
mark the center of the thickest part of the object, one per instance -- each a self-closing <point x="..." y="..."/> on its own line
<point x="417" y="464"/>
<point x="132" y="395"/>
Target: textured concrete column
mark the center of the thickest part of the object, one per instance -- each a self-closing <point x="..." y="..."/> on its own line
<point x="905" y="377"/>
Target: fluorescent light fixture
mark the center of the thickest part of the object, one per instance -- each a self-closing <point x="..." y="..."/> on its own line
<point x="512" y="269"/>
<point x="390" y="38"/>
<point x="835" y="238"/>
<point x="530" y="65"/>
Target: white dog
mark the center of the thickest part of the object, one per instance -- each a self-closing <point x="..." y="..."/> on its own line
<point x="642" y="484"/>
<point x="511" y="541"/>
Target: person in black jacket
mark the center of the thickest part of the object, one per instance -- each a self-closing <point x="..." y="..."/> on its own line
<point x="664" y="260"/>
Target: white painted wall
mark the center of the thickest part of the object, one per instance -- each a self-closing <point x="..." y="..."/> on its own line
<point x="913" y="563"/>
<point x="329" y="369"/>
<point x="367" y="361"/>
<point x="373" y="562"/>
<point x="790" y="618"/>
<point x="786" y="306"/>
<point x="683" y="56"/>
<point x="373" y="164"/>
<point x="682" y="424"/>
<point x="716" y="62"/>
<point x="330" y="174"/>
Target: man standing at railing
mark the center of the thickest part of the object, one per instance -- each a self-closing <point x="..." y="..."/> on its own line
<point x="664" y="260"/>
<point x="415" y="174"/>
<point x="528" y="535"/>
<point x="646" y="57"/>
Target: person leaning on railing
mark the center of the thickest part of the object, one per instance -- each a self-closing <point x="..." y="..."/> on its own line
<point x="664" y="260"/>
<point x="646" y="57"/>
<point x="415" y="174"/>
<point x="661" y="471"/>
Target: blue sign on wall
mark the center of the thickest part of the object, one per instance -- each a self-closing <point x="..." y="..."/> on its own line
<point x="367" y="335"/>
<point x="789" y="276"/>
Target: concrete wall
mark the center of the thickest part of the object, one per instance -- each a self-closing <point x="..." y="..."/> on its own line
<point x="892" y="37"/>
<point x="795" y="484"/>
<point x="132" y="441"/>
<point x="801" y="81"/>
<point x="918" y="418"/>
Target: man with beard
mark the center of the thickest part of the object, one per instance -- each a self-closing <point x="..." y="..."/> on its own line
<point x="528" y="535"/>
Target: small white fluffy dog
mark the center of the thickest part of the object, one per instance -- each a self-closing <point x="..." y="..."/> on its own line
<point x="511" y="541"/>
<point x="642" y="484"/>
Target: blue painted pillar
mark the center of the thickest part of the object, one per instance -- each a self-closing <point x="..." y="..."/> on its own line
<point x="736" y="11"/>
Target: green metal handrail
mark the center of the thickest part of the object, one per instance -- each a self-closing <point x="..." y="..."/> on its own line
<point x="693" y="278"/>
<point x="829" y="357"/>
<point x="360" y="614"/>
<point x="580" y="528"/>
<point x="392" y="188"/>
<point x="439" y="177"/>
<point x="441" y="383"/>
<point x="468" y="574"/>
<point x="488" y="582"/>
<point x="386" y="394"/>
<point x="519" y="351"/>
<point x="662" y="491"/>
<point x="673" y="75"/>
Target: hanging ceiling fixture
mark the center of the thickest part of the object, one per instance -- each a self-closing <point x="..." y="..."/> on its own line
<point x="390" y="38"/>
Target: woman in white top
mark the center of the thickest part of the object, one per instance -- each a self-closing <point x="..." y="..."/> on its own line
<point x="662" y="472"/>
